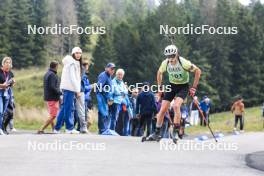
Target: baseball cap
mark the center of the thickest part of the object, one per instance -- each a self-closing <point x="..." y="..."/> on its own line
<point x="110" y="65"/>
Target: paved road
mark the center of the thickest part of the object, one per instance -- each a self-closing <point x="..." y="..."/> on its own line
<point x="109" y="155"/>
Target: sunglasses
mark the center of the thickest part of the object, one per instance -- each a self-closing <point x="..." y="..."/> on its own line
<point x="171" y="56"/>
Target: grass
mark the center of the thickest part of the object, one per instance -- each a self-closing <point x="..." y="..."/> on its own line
<point x="224" y="122"/>
<point x="220" y="122"/>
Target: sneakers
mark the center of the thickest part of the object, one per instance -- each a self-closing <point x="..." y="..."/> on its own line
<point x="1" y="132"/>
<point x="13" y="130"/>
<point x="56" y="131"/>
<point x="72" y="131"/>
<point x="85" y="131"/>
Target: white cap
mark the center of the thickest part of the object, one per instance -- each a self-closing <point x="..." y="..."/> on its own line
<point x="76" y="49"/>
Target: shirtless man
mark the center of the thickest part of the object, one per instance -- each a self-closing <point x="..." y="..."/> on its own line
<point x="239" y="110"/>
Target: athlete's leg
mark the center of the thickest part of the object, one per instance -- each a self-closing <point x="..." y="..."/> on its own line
<point x="164" y="108"/>
<point x="177" y="117"/>
<point x="177" y="110"/>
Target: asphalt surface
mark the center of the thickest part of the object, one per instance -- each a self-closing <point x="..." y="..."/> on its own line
<point x="50" y="154"/>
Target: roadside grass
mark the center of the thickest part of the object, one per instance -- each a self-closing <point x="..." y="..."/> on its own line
<point x="224" y="122"/>
<point x="32" y="119"/>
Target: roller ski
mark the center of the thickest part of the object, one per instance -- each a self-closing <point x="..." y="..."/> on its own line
<point x="152" y="137"/>
<point x="175" y="134"/>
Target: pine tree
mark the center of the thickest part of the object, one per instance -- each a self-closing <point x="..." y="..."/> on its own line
<point x="39" y="18"/>
<point x="83" y="15"/>
<point x="258" y="13"/>
<point x="247" y="51"/>
<point x="103" y="54"/>
<point x="21" y="42"/>
<point x="126" y="43"/>
<point x="4" y="28"/>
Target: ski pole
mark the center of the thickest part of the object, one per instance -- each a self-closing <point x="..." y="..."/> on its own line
<point x="207" y="124"/>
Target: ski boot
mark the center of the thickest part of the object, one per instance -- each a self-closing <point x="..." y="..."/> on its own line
<point x="152" y="137"/>
<point x="175" y="134"/>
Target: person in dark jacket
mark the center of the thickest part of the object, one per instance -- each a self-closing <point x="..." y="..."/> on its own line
<point x="134" y="121"/>
<point x="51" y="94"/>
<point x="146" y="108"/>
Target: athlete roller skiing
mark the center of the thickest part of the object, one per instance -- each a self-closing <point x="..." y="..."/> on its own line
<point x="178" y="69"/>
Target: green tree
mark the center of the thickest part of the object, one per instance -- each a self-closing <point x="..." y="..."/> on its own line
<point x="4" y="28"/>
<point x="84" y="20"/>
<point x="21" y="42"/>
<point x="103" y="54"/>
<point x="246" y="56"/>
<point x="39" y="18"/>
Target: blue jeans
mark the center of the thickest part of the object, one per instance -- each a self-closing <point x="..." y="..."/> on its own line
<point x="3" y="106"/>
<point x="122" y="125"/>
<point x="103" y="123"/>
<point x="66" y="111"/>
<point x="113" y="115"/>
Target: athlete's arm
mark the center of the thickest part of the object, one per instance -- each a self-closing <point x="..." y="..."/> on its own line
<point x="159" y="78"/>
<point x="197" y="75"/>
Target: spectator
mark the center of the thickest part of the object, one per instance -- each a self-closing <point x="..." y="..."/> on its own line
<point x="184" y="116"/>
<point x="238" y="109"/>
<point x="205" y="105"/>
<point x="6" y="82"/>
<point x="194" y="112"/>
<point x="9" y="114"/>
<point x="51" y="94"/>
<point x="124" y="114"/>
<point x="103" y="93"/>
<point x="119" y="93"/>
<point x="80" y="102"/>
<point x="71" y="86"/>
<point x="87" y="91"/>
<point x="146" y="108"/>
<point x="134" y="121"/>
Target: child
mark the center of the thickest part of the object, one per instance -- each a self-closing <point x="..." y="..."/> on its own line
<point x="146" y="108"/>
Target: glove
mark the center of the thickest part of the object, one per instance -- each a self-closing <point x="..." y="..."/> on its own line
<point x="192" y="91"/>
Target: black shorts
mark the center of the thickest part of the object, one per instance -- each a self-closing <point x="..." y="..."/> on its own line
<point x="177" y="90"/>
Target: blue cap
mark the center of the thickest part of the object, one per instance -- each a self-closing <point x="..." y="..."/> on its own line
<point x="110" y="65"/>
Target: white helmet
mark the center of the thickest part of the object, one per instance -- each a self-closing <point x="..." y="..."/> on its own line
<point x="170" y="49"/>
